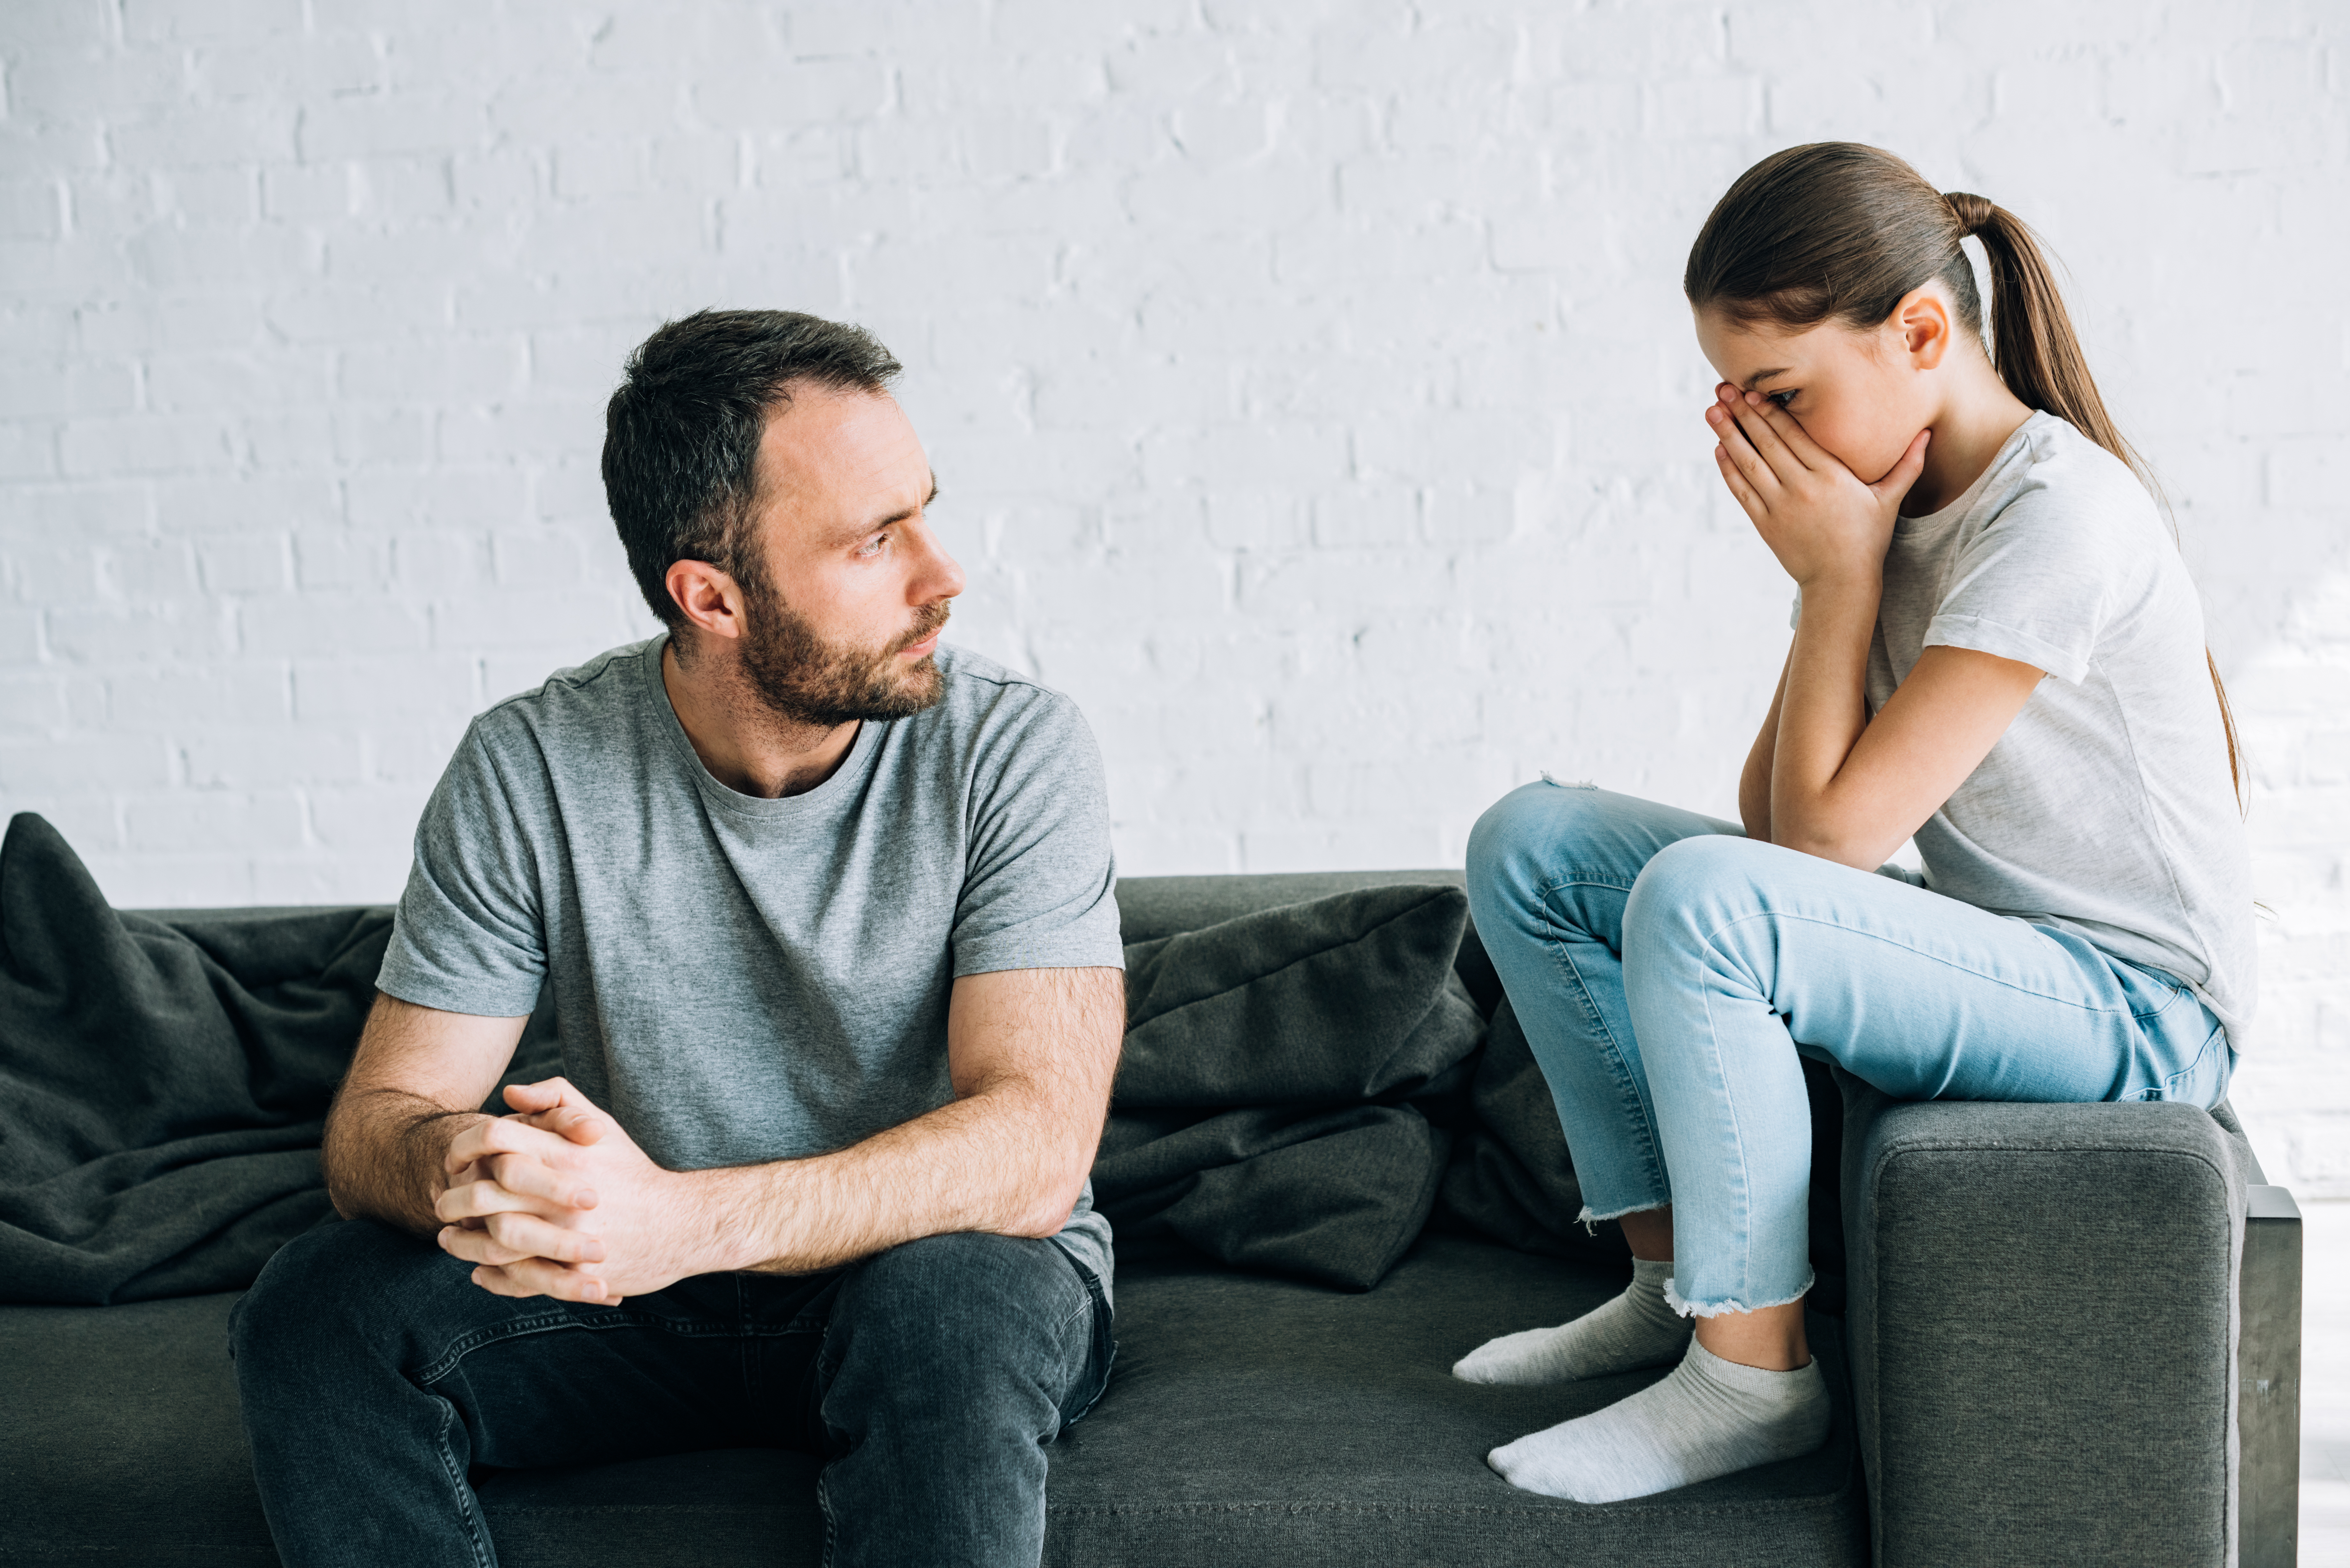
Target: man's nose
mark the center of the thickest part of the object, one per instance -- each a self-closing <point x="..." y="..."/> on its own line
<point x="936" y="575"/>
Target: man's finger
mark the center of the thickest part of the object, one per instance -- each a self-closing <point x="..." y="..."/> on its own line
<point x="537" y="1276"/>
<point x="505" y="1135"/>
<point x="520" y="1173"/>
<point x="556" y="1105"/>
<point x="478" y="1199"/>
<point x="475" y="1246"/>
<point x="575" y="1124"/>
<point x="528" y="1234"/>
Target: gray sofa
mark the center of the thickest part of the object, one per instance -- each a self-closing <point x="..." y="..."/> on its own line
<point x="2063" y="1332"/>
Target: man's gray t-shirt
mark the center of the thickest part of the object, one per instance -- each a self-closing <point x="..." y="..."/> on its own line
<point x="740" y="980"/>
<point x="2107" y="809"/>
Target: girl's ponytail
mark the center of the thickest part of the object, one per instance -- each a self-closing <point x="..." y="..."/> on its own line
<point x="1838" y="231"/>
<point x="2035" y="352"/>
<point x="2032" y="340"/>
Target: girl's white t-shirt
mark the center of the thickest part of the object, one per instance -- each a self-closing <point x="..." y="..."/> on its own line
<point x="2106" y="809"/>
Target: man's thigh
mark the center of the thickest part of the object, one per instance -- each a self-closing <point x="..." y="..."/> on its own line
<point x="350" y="1313"/>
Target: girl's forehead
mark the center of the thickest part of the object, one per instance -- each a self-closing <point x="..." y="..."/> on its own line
<point x="1746" y="353"/>
<point x="1741" y="351"/>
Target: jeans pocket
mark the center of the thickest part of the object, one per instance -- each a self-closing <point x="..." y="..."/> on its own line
<point x="1101" y="1349"/>
<point x="2204" y="1081"/>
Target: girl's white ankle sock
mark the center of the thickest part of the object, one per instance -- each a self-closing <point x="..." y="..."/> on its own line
<point x="1709" y="1417"/>
<point x="1635" y="1330"/>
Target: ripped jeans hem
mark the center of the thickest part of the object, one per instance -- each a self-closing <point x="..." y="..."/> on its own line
<point x="1688" y="1308"/>
<point x="1591" y="1223"/>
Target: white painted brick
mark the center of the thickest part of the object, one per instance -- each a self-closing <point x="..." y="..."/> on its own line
<point x="341" y="558"/>
<point x="362" y="874"/>
<point x="207" y="257"/>
<point x="91" y="822"/>
<point x="410" y="753"/>
<point x="32" y="705"/>
<point x="329" y="689"/>
<point x="1311" y="385"/>
<point x="149" y="571"/>
<point x="252" y="62"/>
<point x="28" y="449"/>
<point x="31" y="209"/>
<point x="306" y="190"/>
<point x="389" y="124"/>
<point x="396" y="191"/>
<point x="293" y="625"/>
<point x="205" y="816"/>
<point x="222" y="756"/>
<point x="382" y="500"/>
<point x="167" y="701"/>
<point x="99" y="763"/>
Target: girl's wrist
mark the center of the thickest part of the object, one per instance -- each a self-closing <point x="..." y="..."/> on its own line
<point x="1844" y="577"/>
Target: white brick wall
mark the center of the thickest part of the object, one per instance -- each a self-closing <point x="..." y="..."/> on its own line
<point x="1310" y="384"/>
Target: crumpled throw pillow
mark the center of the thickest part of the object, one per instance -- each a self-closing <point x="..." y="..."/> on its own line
<point x="1274" y="1107"/>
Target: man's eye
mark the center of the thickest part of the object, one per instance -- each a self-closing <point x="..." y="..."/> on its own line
<point x="873" y="546"/>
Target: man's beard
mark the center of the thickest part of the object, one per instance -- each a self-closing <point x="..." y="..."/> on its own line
<point x="808" y="680"/>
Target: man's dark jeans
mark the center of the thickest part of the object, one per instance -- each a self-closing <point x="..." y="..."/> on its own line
<point x="376" y="1376"/>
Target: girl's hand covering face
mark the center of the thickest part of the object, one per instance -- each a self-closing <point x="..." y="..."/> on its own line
<point x="1814" y="514"/>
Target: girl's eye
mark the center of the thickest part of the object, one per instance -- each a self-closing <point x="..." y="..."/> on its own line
<point x="1782" y="399"/>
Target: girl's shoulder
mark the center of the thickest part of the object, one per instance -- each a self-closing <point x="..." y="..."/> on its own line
<point x="2053" y="478"/>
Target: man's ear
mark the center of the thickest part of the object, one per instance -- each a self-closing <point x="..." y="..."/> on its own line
<point x="1923" y="318"/>
<point x="711" y="600"/>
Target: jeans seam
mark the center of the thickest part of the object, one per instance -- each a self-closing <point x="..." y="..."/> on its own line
<point x="1738" y="1140"/>
<point x="468" y="1505"/>
<point x="549" y="1323"/>
<point x="2217" y="1039"/>
<point x="1916" y="952"/>
<point x="1636" y="1113"/>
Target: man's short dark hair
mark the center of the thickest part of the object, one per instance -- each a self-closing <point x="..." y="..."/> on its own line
<point x="681" y="435"/>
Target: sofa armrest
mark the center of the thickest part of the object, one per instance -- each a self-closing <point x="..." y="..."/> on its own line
<point x="2268" y="1370"/>
<point x="2042" y="1314"/>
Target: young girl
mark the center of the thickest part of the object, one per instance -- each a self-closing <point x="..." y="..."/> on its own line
<point x="1997" y="650"/>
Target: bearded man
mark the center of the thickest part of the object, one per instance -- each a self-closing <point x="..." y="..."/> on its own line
<point x="825" y="912"/>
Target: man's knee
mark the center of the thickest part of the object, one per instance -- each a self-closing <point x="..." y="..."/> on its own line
<point x="327" y="1290"/>
<point x="967" y="1290"/>
<point x="994" y="1315"/>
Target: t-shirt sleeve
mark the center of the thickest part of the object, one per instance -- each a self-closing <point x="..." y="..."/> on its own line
<point x="467" y="935"/>
<point x="1039" y="886"/>
<point x="2036" y="583"/>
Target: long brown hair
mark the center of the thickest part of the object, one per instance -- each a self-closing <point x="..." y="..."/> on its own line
<point x="1839" y="232"/>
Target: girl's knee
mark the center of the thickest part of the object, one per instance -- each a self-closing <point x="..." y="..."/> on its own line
<point x="1694" y="884"/>
<point x="1526" y="827"/>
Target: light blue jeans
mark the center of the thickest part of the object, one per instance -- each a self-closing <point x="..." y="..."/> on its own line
<point x="1668" y="972"/>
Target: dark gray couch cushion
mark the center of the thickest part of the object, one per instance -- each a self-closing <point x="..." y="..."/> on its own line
<point x="1251" y="1421"/>
<point x="120" y="1437"/>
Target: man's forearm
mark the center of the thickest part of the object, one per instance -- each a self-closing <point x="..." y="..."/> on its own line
<point x="997" y="1161"/>
<point x="383" y="1156"/>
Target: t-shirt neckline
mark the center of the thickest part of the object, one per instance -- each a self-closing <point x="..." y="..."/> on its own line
<point x="1944" y="516"/>
<point x="841" y="786"/>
